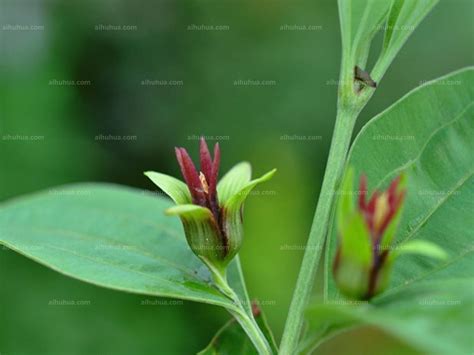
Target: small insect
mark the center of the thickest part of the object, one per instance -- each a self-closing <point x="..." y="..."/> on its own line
<point x="364" y="77"/>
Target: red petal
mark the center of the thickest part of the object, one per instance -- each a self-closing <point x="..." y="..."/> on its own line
<point x="190" y="175"/>
<point x="215" y="168"/>
<point x="371" y="205"/>
<point x="370" y="210"/>
<point x="392" y="191"/>
<point x="362" y="192"/>
<point x="393" y="209"/>
<point x="206" y="162"/>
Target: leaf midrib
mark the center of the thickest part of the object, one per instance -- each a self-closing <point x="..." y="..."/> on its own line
<point x="86" y="236"/>
<point x="220" y="302"/>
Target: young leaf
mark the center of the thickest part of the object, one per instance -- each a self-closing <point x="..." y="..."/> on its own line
<point x="428" y="134"/>
<point x="403" y="18"/>
<point x="111" y="236"/>
<point x="361" y="20"/>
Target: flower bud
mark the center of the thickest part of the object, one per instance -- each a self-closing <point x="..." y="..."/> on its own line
<point x="365" y="232"/>
<point x="211" y="212"/>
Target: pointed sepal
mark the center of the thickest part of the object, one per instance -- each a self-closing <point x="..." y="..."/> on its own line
<point x="235" y="201"/>
<point x="421" y="247"/>
<point x="353" y="261"/>
<point x="174" y="188"/>
<point x="235" y="180"/>
<point x="202" y="233"/>
<point x="231" y="210"/>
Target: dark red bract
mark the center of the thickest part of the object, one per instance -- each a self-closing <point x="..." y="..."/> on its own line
<point x="381" y="208"/>
<point x="202" y="185"/>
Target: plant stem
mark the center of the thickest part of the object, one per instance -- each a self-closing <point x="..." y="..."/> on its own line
<point x="253" y="331"/>
<point x="245" y="319"/>
<point x="345" y="120"/>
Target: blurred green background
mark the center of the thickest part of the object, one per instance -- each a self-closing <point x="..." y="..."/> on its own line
<point x="103" y="90"/>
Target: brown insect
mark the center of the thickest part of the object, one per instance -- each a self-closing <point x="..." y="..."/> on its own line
<point x="364" y="77"/>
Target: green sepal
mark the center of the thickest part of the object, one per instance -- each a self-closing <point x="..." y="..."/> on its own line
<point x="383" y="276"/>
<point x="233" y="181"/>
<point x="345" y="207"/>
<point x="352" y="269"/>
<point x="353" y="233"/>
<point x="174" y="188"/>
<point x="355" y="241"/>
<point x="189" y="211"/>
<point x="421" y="247"/>
<point x="353" y="263"/>
<point x="235" y="201"/>
<point x="232" y="212"/>
<point x="202" y="233"/>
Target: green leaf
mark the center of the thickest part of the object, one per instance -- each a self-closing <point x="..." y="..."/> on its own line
<point x="428" y="134"/>
<point x="360" y="21"/>
<point x="232" y="182"/>
<point x="174" y="188"/>
<point x="114" y="237"/>
<point x="403" y="18"/>
<point x="232" y="340"/>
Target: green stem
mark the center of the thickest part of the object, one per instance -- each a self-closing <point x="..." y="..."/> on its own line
<point x="253" y="331"/>
<point x="245" y="319"/>
<point x="349" y="107"/>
